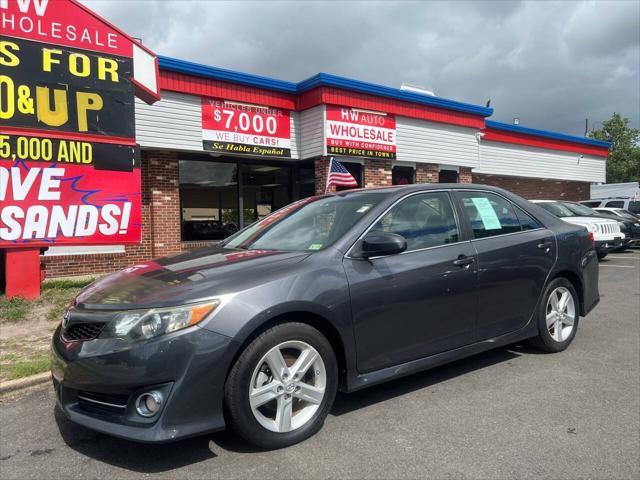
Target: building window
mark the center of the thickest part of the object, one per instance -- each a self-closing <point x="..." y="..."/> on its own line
<point x="402" y="175"/>
<point x="448" y="176"/>
<point x="305" y="185"/>
<point x="208" y="199"/>
<point x="356" y="170"/>
<point x="265" y="189"/>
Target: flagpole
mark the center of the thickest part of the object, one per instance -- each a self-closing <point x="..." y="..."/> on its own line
<point x="326" y="186"/>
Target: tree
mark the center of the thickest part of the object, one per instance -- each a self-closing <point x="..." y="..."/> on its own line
<point x="623" y="164"/>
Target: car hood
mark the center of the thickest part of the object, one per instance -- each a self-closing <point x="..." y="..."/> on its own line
<point x="185" y="278"/>
<point x="588" y="220"/>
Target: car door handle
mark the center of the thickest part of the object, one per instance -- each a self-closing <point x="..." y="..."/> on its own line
<point x="545" y="245"/>
<point x="463" y="261"/>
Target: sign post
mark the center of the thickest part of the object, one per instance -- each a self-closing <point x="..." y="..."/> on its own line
<point x="69" y="163"/>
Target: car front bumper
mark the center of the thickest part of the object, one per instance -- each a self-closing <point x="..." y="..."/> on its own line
<point x="603" y="246"/>
<point x="97" y="383"/>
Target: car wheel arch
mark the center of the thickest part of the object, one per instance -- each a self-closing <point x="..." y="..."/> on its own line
<point x="320" y="322"/>
<point x="574" y="278"/>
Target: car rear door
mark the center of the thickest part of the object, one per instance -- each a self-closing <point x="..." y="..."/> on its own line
<point x="515" y="254"/>
<point x="422" y="301"/>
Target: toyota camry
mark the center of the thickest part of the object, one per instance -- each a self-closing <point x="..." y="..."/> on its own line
<point x="339" y="291"/>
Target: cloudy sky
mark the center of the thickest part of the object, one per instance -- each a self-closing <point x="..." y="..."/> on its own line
<point x="550" y="64"/>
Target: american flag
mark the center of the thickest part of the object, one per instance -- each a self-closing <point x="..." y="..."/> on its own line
<point x="339" y="176"/>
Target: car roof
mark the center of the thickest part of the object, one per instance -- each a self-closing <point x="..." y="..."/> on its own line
<point x="403" y="189"/>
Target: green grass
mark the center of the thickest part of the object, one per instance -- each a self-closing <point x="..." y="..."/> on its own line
<point x="66" y="283"/>
<point x="13" y="310"/>
<point x="25" y="367"/>
<point x="56" y="296"/>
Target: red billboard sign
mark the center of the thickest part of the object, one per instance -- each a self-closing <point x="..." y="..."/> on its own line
<point x="360" y="133"/>
<point x="231" y="127"/>
<point x="68" y="204"/>
<point x="69" y="166"/>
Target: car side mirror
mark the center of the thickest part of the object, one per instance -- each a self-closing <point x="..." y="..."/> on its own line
<point x="378" y="244"/>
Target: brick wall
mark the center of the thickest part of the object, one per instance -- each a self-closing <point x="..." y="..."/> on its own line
<point x="537" y="188"/>
<point x="160" y="223"/>
<point x="465" y="175"/>
<point x="426" y="173"/>
<point x="321" y="166"/>
<point x="377" y="172"/>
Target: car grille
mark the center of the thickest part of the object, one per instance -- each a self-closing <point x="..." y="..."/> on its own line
<point x="82" y="331"/>
<point x="102" y="403"/>
<point x="610" y="228"/>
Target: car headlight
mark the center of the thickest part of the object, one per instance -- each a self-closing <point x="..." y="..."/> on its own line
<point x="636" y="224"/>
<point x="591" y="227"/>
<point x="145" y="324"/>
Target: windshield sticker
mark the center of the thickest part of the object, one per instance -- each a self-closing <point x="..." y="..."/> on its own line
<point x="364" y="208"/>
<point x="487" y="213"/>
<point x="315" y="246"/>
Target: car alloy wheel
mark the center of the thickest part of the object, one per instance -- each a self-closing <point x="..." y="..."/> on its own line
<point x="287" y="386"/>
<point x="560" y="314"/>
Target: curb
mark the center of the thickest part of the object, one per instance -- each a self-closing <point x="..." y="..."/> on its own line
<point x="22" y="383"/>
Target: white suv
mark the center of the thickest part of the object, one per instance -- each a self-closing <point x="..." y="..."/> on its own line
<point x="631" y="204"/>
<point x="606" y="233"/>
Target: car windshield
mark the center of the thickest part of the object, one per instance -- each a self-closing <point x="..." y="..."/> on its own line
<point x="557" y="209"/>
<point x="581" y="209"/>
<point x="628" y="214"/>
<point x="310" y="224"/>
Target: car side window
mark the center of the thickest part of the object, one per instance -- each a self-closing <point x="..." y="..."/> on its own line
<point x="489" y="214"/>
<point x="634" y="206"/>
<point x="615" y="204"/>
<point x="424" y="220"/>
<point x="527" y="222"/>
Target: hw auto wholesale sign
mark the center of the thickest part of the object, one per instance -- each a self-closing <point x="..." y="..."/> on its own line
<point x="359" y="133"/>
<point x="231" y="127"/>
<point x="69" y="165"/>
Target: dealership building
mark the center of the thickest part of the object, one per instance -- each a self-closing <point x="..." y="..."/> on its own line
<point x="222" y="149"/>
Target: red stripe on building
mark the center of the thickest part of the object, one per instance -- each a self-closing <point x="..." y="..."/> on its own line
<point x="540" y="142"/>
<point x="178" y="82"/>
<point x="346" y="98"/>
<point x="181" y="83"/>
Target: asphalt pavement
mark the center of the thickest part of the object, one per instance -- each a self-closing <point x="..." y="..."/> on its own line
<point x="509" y="413"/>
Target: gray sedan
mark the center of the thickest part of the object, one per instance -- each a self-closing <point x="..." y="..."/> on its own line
<point x="340" y="291"/>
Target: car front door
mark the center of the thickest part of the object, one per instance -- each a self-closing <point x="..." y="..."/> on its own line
<point x="515" y="254"/>
<point x="422" y="301"/>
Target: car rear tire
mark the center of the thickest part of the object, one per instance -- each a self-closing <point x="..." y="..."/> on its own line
<point x="282" y="386"/>
<point x="601" y="255"/>
<point x="558" y="317"/>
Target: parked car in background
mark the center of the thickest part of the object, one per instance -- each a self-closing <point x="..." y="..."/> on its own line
<point x="606" y="233"/>
<point x="631" y="204"/>
<point x="344" y="290"/>
<point x="620" y="212"/>
<point x="629" y="226"/>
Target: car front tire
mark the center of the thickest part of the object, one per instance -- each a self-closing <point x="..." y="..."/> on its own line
<point x="558" y="316"/>
<point x="282" y="386"/>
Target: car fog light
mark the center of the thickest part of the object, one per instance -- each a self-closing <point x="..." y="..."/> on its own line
<point x="149" y="403"/>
